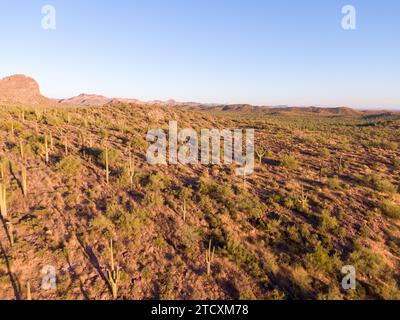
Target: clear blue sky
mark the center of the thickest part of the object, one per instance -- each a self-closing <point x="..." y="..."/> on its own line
<point x="250" y="51"/>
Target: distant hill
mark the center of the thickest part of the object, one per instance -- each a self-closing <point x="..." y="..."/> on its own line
<point x="87" y="100"/>
<point x="20" y="89"/>
<point x="340" y="111"/>
<point x="246" y="108"/>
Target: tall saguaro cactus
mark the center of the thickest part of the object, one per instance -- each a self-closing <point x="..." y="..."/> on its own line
<point x="3" y="200"/>
<point x="10" y="230"/>
<point x="184" y="209"/>
<point x="2" y="171"/>
<point x="107" y="166"/>
<point x="209" y="257"/>
<point x="66" y="145"/>
<point x="113" y="275"/>
<point x="131" y="169"/>
<point x="28" y="291"/>
<point x="21" y="148"/>
<point x="23" y="182"/>
<point x="46" y="149"/>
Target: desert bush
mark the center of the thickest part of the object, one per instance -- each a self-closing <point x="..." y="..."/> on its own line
<point x="186" y="193"/>
<point x="290" y="162"/>
<point x="324" y="153"/>
<point x="334" y="183"/>
<point x="332" y="294"/>
<point x="381" y="143"/>
<point x="390" y="145"/>
<point x="247" y="260"/>
<point x="302" y="279"/>
<point x="113" y="156"/>
<point x="367" y="262"/>
<point x="153" y="199"/>
<point x="250" y="205"/>
<point x="290" y="203"/>
<point x="154" y="182"/>
<point x="380" y="184"/>
<point x="123" y="180"/>
<point x="293" y="233"/>
<point x="273" y="235"/>
<point x="390" y="209"/>
<point x="321" y="259"/>
<point x="274" y="201"/>
<point x="220" y="193"/>
<point x="138" y="142"/>
<point x="101" y="224"/>
<point x="69" y="166"/>
<point x="128" y="223"/>
<point x="327" y="222"/>
<point x="53" y="121"/>
<point x="93" y="153"/>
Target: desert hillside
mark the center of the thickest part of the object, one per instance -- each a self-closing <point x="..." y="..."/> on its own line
<point x="324" y="194"/>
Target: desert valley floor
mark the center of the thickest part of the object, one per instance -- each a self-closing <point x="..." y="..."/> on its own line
<point x="324" y="194"/>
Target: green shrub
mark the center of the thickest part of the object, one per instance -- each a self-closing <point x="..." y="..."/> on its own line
<point x="289" y="162"/>
<point x="380" y="184"/>
<point x="390" y="145"/>
<point x="367" y="262"/>
<point x="69" y="165"/>
<point x="390" y="209"/>
<point x="220" y="193"/>
<point x="250" y="205"/>
<point x="327" y="222"/>
<point x="321" y="259"/>
<point x="113" y="156"/>
<point x="126" y="222"/>
<point x="246" y="260"/>
<point x="334" y="183"/>
<point x="153" y="199"/>
<point x="102" y="225"/>
<point x="290" y="203"/>
<point x="154" y="182"/>
<point x="325" y="153"/>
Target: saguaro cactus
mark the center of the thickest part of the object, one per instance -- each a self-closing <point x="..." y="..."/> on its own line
<point x="113" y="275"/>
<point x="2" y="171"/>
<point x="303" y="199"/>
<point x="23" y="182"/>
<point x="244" y="179"/>
<point x="10" y="230"/>
<point x="37" y="114"/>
<point x="21" y="148"/>
<point x="51" y="142"/>
<point x="184" y="209"/>
<point x="107" y="166"/>
<point x="66" y="145"/>
<point x="209" y="257"/>
<point x="261" y="153"/>
<point x="131" y="169"/>
<point x="46" y="149"/>
<point x="3" y="200"/>
<point x="340" y="166"/>
<point x="28" y="291"/>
